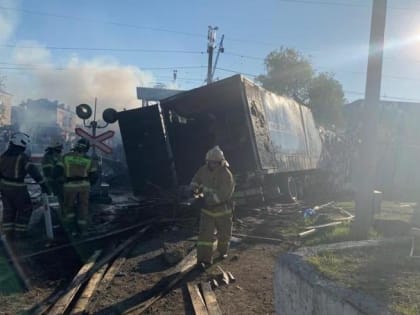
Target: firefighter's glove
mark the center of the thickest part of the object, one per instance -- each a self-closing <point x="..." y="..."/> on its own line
<point x="196" y="190"/>
<point x="45" y="189"/>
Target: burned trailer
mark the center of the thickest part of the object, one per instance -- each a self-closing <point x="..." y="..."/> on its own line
<point x="269" y="140"/>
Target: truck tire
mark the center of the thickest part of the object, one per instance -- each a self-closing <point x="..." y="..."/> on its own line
<point x="292" y="188"/>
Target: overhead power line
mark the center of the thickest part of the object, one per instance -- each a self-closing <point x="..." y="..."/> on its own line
<point x="28" y="66"/>
<point x="156" y="29"/>
<point x="172" y="51"/>
<point x="385" y="97"/>
<point x="347" y="4"/>
<point x="93" y="20"/>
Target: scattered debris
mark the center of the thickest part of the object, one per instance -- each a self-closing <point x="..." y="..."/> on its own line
<point x="231" y="277"/>
<point x="84" y="298"/>
<point x="173" y="253"/>
<point x="197" y="300"/>
<point x="210" y="299"/>
<point x="306" y="233"/>
<point x="61" y="305"/>
<point x="225" y="277"/>
<point x="256" y="237"/>
<point x="214" y="283"/>
<point x="323" y="217"/>
<point x="180" y="270"/>
<point x="44" y="305"/>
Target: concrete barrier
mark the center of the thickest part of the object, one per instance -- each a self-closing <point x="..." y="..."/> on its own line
<point x="300" y="290"/>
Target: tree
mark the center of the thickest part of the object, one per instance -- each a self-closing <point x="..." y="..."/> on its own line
<point x="292" y="74"/>
<point x="326" y="99"/>
<point x="288" y="73"/>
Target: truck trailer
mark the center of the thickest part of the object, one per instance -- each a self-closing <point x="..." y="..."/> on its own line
<point x="269" y="140"/>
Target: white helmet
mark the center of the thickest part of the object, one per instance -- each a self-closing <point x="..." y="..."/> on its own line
<point x="20" y="139"/>
<point x="216" y="155"/>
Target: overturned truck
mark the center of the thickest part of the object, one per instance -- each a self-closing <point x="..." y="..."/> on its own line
<point x="270" y="141"/>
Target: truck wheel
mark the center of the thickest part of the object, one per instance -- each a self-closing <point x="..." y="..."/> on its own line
<point x="292" y="188"/>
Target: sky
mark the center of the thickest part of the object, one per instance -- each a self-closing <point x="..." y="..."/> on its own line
<point x="74" y="51"/>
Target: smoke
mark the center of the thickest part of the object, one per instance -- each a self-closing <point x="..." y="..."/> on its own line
<point x="8" y="20"/>
<point x="76" y="80"/>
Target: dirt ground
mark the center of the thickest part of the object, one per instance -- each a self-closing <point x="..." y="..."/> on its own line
<point x="252" y="293"/>
<point x="250" y="261"/>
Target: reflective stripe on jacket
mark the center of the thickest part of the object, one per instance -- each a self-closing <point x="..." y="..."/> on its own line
<point x="77" y="165"/>
<point x="14" y="166"/>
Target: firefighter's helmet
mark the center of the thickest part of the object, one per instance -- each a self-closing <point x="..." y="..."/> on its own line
<point x="83" y="145"/>
<point x="56" y="143"/>
<point x="216" y="155"/>
<point x="20" y="139"/>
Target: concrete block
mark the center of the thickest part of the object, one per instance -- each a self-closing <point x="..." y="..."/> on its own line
<point x="300" y="289"/>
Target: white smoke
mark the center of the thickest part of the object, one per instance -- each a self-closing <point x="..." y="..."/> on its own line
<point x="76" y="80"/>
<point x="8" y="19"/>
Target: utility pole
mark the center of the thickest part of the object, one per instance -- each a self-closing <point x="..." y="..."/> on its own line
<point x="220" y="50"/>
<point x="175" y="73"/>
<point x="211" y="35"/>
<point x="366" y="175"/>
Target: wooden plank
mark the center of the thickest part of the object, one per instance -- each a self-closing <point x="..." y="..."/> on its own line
<point x="44" y="305"/>
<point x="225" y="277"/>
<point x="197" y="299"/>
<point x="324" y="225"/>
<point x="83" y="300"/>
<point x="181" y="269"/>
<point x="231" y="277"/>
<point x="256" y="237"/>
<point x="210" y="299"/>
<point x="115" y="267"/>
<point x="110" y="274"/>
<point x="306" y="233"/>
<point x="62" y="304"/>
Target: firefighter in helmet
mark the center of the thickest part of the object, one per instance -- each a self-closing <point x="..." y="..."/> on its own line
<point x="80" y="172"/>
<point x="215" y="183"/>
<point x="50" y="162"/>
<point x="17" y="205"/>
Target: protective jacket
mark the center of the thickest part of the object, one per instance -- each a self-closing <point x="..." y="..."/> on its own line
<point x="78" y="168"/>
<point x="80" y="171"/>
<point x="17" y="205"/>
<point x="50" y="162"/>
<point x="217" y="187"/>
<point x="15" y="165"/>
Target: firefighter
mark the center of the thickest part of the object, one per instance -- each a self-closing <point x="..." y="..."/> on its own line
<point x="216" y="184"/>
<point x="17" y="206"/>
<point x="50" y="162"/>
<point x="80" y="172"/>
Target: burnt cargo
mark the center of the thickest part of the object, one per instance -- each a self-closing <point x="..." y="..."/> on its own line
<point x="263" y="135"/>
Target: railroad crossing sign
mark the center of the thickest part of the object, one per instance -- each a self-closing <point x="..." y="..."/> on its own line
<point x="97" y="141"/>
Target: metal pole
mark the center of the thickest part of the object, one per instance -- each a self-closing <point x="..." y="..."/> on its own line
<point x="367" y="157"/>
<point x="210" y="49"/>
<point x="220" y="50"/>
<point x="94" y="124"/>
